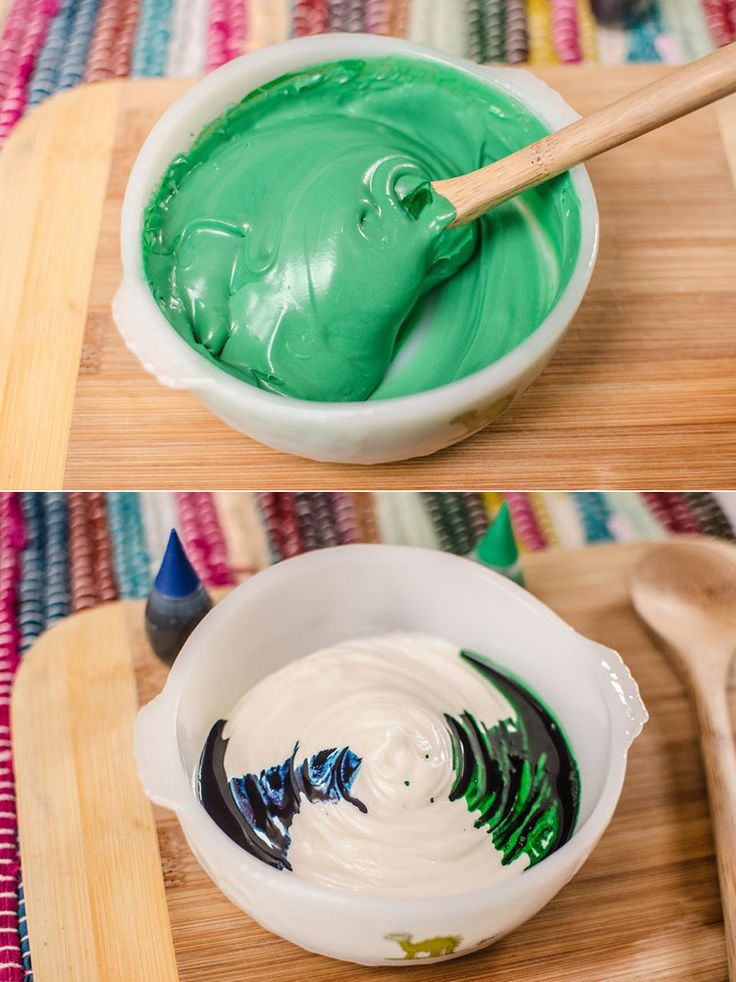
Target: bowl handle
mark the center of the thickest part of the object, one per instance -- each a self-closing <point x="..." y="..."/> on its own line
<point x="157" y="757"/>
<point x="162" y="352"/>
<point x="626" y="693"/>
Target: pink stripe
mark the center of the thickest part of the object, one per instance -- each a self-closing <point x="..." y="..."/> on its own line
<point x="566" y="30"/>
<point x="190" y="534"/>
<point x="719" y="22"/>
<point x="683" y="519"/>
<point x="23" y="38"/>
<point x="11" y="542"/>
<point x="12" y="38"/>
<point x="658" y="505"/>
<point x="731" y="8"/>
<point x="524" y="520"/>
<point x="375" y="16"/>
<point x="219" y="570"/>
<point x="237" y="29"/>
<point x="218" y="34"/>
<point x="291" y="538"/>
<point x="672" y="510"/>
<point x="203" y="539"/>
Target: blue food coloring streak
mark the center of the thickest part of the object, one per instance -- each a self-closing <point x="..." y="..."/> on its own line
<point x="256" y="810"/>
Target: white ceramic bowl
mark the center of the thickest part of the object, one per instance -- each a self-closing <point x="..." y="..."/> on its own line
<point x="323" y="597"/>
<point x="356" y="432"/>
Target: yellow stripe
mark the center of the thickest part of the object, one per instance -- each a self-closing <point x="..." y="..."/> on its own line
<point x="588" y="35"/>
<point x="269" y="21"/>
<point x="539" y="26"/>
<point x="493" y="501"/>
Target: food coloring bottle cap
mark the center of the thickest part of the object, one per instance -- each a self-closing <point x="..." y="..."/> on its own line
<point x="176" y="576"/>
<point x="498" y="550"/>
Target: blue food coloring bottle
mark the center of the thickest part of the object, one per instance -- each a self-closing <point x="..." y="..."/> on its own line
<point x="176" y="604"/>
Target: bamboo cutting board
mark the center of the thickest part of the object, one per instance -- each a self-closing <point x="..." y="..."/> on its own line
<point x="641" y="392"/>
<point x="114" y="894"/>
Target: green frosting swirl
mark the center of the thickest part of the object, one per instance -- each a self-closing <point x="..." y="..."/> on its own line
<point x="519" y="775"/>
<point x="298" y="245"/>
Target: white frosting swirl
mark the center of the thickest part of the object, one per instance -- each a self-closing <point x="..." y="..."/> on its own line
<point x="384" y="697"/>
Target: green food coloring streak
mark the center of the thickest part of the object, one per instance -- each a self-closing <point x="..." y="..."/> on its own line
<point x="519" y="775"/>
<point x="297" y="243"/>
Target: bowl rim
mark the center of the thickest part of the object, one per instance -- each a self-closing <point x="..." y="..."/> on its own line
<point x="175" y="788"/>
<point x="180" y="366"/>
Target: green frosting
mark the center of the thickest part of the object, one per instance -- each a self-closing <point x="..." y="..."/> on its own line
<point x="519" y="775"/>
<point x="297" y="244"/>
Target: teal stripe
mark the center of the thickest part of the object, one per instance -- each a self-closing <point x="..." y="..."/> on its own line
<point x="643" y="31"/>
<point x="57" y="594"/>
<point x="31" y="614"/>
<point x="130" y="557"/>
<point x="594" y="514"/>
<point x="152" y="38"/>
<point x="25" y="949"/>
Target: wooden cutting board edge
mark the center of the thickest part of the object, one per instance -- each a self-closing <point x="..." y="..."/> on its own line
<point x="67" y="141"/>
<point x="94" y="889"/>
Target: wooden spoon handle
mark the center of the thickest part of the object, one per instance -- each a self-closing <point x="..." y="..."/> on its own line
<point x="679" y="93"/>
<point x="719" y="758"/>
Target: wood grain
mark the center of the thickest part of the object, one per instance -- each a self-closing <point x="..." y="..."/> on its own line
<point x="653" y="105"/>
<point x="644" y="908"/>
<point x="687" y="594"/>
<point x="92" y="875"/>
<point x="640" y="393"/>
<point x="53" y="177"/>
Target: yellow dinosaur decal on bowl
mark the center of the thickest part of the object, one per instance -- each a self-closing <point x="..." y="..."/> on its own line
<point x="428" y="948"/>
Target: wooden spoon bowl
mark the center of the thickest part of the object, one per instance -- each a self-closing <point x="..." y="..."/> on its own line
<point x="686" y="592"/>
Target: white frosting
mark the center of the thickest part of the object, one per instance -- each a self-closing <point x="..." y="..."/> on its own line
<point x="384" y="697"/>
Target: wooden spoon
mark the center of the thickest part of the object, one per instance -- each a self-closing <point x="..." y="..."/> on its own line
<point x="679" y="93"/>
<point x="686" y="593"/>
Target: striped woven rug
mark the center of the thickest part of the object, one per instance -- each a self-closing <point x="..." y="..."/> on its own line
<point x="47" y="46"/>
<point x="62" y="552"/>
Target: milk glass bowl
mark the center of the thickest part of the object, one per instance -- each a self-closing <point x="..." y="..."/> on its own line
<point x="353" y="432"/>
<point x="323" y="597"/>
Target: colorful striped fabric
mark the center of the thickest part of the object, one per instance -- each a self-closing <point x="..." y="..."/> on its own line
<point x="64" y="552"/>
<point x="50" y="45"/>
<point x="85" y="548"/>
<point x="12" y="531"/>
